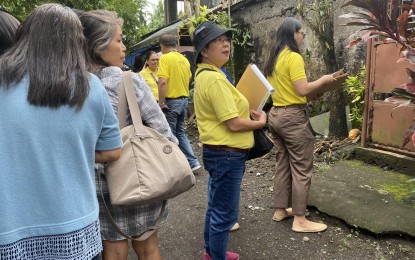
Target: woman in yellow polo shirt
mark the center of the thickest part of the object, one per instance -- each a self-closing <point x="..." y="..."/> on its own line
<point x="289" y="125"/>
<point x="150" y="73"/>
<point x="225" y="128"/>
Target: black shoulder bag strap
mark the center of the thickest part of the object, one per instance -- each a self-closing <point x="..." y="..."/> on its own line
<point x="204" y="69"/>
<point x="154" y="78"/>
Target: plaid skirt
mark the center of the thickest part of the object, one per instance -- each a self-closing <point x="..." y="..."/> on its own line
<point x="132" y="220"/>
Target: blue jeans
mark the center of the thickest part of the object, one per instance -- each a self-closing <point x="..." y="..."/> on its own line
<point x="176" y="115"/>
<point x="226" y="170"/>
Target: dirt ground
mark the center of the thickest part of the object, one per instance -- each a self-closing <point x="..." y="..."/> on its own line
<point x="181" y="237"/>
<point x="259" y="237"/>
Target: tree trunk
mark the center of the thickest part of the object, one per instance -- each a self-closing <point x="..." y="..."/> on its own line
<point x="337" y="121"/>
<point x="197" y="7"/>
<point x="170" y="11"/>
<point x="187" y="8"/>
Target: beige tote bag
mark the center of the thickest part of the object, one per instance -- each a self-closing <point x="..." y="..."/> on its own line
<point x="151" y="167"/>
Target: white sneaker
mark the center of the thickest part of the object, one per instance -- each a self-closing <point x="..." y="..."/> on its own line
<point x="196" y="168"/>
<point x="235" y="227"/>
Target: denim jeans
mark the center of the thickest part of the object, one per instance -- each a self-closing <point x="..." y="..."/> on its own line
<point x="226" y="170"/>
<point x="176" y="115"/>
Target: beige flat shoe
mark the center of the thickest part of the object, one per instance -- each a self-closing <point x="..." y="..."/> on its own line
<point x="278" y="216"/>
<point x="235" y="227"/>
<point x="309" y="227"/>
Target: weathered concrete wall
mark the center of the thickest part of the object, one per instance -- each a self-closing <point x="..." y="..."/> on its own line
<point x="263" y="17"/>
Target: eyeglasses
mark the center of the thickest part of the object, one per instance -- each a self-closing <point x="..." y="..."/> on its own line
<point x="222" y="39"/>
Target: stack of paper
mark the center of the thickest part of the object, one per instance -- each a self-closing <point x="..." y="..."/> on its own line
<point x="255" y="87"/>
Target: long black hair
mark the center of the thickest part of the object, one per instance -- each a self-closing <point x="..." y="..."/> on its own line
<point x="51" y="50"/>
<point x="8" y="28"/>
<point x="284" y="37"/>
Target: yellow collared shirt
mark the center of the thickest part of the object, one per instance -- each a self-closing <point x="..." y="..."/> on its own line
<point x="176" y="69"/>
<point x="151" y="82"/>
<point x="288" y="69"/>
<point x="216" y="100"/>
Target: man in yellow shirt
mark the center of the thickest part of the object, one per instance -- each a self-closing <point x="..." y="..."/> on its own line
<point x="174" y="77"/>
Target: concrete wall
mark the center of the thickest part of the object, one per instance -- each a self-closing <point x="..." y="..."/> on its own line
<point x="263" y="17"/>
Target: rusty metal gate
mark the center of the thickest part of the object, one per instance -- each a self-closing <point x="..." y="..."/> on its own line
<point x="385" y="125"/>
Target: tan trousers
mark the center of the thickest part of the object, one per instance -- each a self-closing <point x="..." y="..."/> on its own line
<point x="294" y="143"/>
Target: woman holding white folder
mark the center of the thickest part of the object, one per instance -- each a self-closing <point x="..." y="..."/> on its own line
<point x="289" y="125"/>
<point x="225" y="128"/>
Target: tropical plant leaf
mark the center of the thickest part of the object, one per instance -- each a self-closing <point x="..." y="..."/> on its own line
<point x="356" y="15"/>
<point x="356" y="99"/>
<point x="353" y="43"/>
<point x="378" y="21"/>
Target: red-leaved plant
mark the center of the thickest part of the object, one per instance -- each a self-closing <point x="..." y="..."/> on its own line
<point x="396" y="24"/>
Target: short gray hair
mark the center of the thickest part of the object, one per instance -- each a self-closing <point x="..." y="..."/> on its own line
<point x="99" y="29"/>
<point x="168" y="40"/>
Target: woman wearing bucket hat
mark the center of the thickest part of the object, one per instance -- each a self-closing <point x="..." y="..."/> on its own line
<point x="225" y="128"/>
<point x="289" y="125"/>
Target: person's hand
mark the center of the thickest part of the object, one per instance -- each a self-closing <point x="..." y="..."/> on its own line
<point x="327" y="79"/>
<point x="255" y="115"/>
<point x="163" y="106"/>
<point x="258" y="116"/>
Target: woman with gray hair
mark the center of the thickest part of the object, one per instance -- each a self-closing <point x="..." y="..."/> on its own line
<point x="103" y="29"/>
<point x="56" y="122"/>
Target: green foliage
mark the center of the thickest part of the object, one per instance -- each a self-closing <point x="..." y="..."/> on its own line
<point x="20" y="8"/>
<point x="130" y="10"/>
<point x="134" y="19"/>
<point x="157" y="17"/>
<point x="205" y="14"/>
<point x="355" y="87"/>
<point x="241" y="35"/>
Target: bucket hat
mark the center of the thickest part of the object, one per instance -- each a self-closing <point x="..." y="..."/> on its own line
<point x="205" y="33"/>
